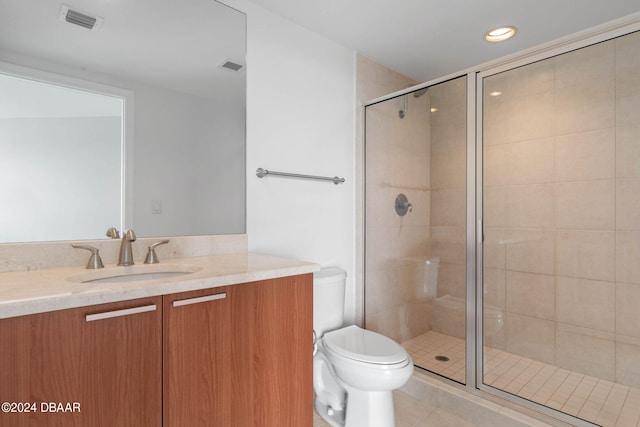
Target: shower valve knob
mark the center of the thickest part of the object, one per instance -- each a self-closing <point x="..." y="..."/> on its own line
<point x="402" y="205"/>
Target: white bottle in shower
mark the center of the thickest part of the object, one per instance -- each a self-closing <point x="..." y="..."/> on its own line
<point x="426" y="288"/>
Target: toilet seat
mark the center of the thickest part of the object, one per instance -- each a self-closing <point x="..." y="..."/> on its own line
<point x="364" y="346"/>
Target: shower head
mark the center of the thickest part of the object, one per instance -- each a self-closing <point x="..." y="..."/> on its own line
<point x="416" y="94"/>
<point x="419" y="93"/>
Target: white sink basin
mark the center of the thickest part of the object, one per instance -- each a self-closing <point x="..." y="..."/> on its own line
<point x="137" y="277"/>
<point x="135" y="273"/>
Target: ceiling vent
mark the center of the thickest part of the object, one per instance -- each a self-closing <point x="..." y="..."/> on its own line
<point x="231" y="65"/>
<point x="79" y="18"/>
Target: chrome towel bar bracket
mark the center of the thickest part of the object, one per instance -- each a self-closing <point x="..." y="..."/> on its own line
<point x="261" y="173"/>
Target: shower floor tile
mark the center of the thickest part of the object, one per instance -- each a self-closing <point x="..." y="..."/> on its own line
<point x="426" y="347"/>
<point x="600" y="401"/>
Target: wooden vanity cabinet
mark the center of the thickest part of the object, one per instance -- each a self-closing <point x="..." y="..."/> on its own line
<point x="237" y="355"/>
<point x="105" y="358"/>
<point x="240" y="355"/>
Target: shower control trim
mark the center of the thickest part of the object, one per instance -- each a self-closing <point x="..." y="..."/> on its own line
<point x="402" y="205"/>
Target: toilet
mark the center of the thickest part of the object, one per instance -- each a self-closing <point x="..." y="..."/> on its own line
<point x="449" y="311"/>
<point x="354" y="370"/>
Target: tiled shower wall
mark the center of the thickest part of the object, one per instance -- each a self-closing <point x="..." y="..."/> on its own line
<point x="397" y="159"/>
<point x="562" y="209"/>
<point x="448" y="185"/>
<point x="372" y="81"/>
<point x="448" y="202"/>
<point x="423" y="156"/>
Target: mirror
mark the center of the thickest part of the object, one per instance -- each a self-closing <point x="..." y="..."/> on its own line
<point x="171" y="80"/>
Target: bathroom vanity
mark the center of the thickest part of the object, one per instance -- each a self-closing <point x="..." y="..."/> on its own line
<point x="227" y="344"/>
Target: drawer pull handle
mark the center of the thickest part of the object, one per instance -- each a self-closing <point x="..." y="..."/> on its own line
<point x="198" y="300"/>
<point x="119" y="313"/>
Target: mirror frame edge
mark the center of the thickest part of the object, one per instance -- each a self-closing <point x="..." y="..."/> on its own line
<point x="127" y="139"/>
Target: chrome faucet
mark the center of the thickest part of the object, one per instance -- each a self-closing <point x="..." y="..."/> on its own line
<point x="126" y="254"/>
<point x="113" y="233"/>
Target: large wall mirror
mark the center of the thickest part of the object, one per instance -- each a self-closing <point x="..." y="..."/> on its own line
<point x="121" y="114"/>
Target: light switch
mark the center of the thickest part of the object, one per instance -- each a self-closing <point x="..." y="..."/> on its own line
<point x="156" y="206"/>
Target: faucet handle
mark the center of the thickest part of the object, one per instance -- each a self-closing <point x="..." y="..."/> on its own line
<point x="94" y="260"/>
<point x="129" y="235"/>
<point x="113" y="233"/>
<point x="152" y="258"/>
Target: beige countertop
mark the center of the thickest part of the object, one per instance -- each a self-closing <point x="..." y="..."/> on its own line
<point x="28" y="292"/>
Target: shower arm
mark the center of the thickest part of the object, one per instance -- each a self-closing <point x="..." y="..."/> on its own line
<point x="403" y="111"/>
<point x="416" y="94"/>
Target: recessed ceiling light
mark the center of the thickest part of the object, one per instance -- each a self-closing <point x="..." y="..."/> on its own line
<point x="500" y="34"/>
<point x="495" y="93"/>
<point x="434" y="109"/>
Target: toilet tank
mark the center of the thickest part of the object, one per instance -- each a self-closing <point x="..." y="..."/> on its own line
<point x="328" y="299"/>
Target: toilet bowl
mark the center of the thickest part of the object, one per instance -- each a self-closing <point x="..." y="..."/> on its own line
<point x="367" y="360"/>
<point x="355" y="370"/>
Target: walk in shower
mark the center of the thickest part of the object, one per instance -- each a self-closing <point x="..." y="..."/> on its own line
<point x="502" y="229"/>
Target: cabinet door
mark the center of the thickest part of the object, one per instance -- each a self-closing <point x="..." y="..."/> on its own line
<point x="91" y="366"/>
<point x="240" y="355"/>
<point x="283" y="335"/>
<point x="207" y="358"/>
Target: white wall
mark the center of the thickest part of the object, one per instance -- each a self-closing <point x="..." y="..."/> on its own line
<point x="189" y="156"/>
<point x="300" y="118"/>
<point x="49" y="195"/>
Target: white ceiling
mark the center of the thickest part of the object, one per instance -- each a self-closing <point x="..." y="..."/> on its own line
<point x="426" y="39"/>
<point x="176" y="44"/>
<point x="423" y="39"/>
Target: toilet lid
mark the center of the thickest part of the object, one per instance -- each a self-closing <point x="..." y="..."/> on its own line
<point x="364" y="346"/>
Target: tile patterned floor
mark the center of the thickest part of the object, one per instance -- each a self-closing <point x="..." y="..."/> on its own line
<point x="424" y="349"/>
<point x="602" y="402"/>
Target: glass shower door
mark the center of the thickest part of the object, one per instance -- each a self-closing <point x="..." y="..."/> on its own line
<point x="561" y="184"/>
<point x="415" y="256"/>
